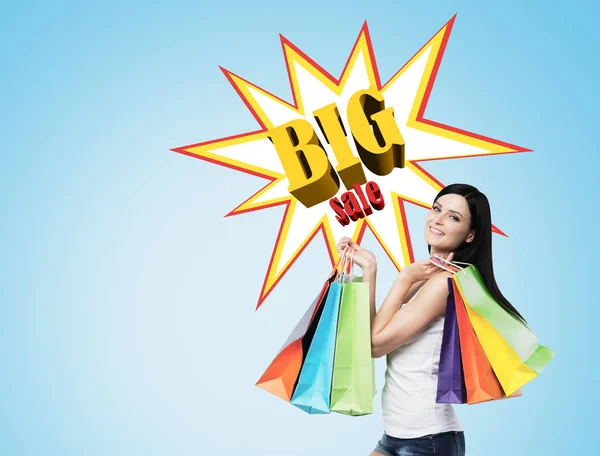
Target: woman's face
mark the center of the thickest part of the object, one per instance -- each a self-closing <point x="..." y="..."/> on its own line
<point x="448" y="223"/>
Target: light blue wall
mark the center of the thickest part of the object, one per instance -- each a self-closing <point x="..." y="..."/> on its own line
<point x="127" y="322"/>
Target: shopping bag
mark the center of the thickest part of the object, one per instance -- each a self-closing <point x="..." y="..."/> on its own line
<point x="508" y="367"/>
<point x="313" y="392"/>
<point x="511" y="371"/>
<point x="281" y="377"/>
<point x="480" y="381"/>
<point x="451" y="385"/>
<point x="353" y="385"/>
<point x="518" y="334"/>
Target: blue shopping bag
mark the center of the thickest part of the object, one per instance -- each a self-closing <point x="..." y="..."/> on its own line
<point x="313" y="391"/>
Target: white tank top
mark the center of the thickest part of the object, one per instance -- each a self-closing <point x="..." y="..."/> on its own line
<point x="408" y="398"/>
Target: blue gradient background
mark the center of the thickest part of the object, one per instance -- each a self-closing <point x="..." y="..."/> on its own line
<point x="127" y="322"/>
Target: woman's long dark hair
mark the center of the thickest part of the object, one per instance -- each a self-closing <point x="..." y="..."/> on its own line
<point x="479" y="251"/>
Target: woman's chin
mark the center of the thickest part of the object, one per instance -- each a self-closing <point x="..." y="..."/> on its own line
<point x="434" y="243"/>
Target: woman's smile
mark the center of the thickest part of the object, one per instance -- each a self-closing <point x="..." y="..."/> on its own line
<point x="436" y="231"/>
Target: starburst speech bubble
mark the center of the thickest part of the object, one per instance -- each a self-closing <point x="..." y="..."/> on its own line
<point x="348" y="120"/>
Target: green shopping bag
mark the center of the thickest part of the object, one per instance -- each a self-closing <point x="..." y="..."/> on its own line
<point x="518" y="335"/>
<point x="353" y="385"/>
<point x="509" y="344"/>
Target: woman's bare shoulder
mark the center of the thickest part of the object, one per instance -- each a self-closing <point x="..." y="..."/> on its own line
<point x="439" y="280"/>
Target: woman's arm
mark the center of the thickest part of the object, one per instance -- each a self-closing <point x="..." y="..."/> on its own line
<point x="391" y="327"/>
<point x="370" y="276"/>
<point x="396" y="296"/>
<point x="404" y="324"/>
<point x="413" y="290"/>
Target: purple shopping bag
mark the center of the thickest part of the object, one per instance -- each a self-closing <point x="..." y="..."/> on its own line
<point x="451" y="382"/>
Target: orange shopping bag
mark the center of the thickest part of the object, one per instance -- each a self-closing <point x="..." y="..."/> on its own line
<point x="481" y="383"/>
<point x="281" y="376"/>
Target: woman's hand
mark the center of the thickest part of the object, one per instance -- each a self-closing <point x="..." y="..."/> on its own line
<point x="361" y="257"/>
<point x="423" y="270"/>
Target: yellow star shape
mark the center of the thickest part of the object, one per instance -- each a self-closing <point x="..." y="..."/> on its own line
<point x="407" y="92"/>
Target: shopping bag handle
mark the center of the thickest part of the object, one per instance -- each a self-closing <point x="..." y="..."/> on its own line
<point x="345" y="263"/>
<point x="350" y="264"/>
<point x="434" y="260"/>
<point x="451" y="263"/>
<point x="340" y="260"/>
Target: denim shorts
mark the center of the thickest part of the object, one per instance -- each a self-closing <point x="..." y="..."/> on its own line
<point x="451" y="443"/>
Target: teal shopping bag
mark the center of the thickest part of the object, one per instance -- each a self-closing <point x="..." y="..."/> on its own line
<point x="313" y="392"/>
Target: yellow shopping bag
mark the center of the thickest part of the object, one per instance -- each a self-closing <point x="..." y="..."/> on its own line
<point x="512" y="373"/>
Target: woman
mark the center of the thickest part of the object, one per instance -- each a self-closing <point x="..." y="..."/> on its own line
<point x="409" y="324"/>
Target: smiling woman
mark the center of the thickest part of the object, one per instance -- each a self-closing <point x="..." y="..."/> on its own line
<point x="408" y="326"/>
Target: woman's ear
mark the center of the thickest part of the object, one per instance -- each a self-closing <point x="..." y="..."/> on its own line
<point x="470" y="237"/>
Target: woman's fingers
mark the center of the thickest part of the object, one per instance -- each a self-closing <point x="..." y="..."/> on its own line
<point x="345" y="242"/>
<point x="342" y="244"/>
